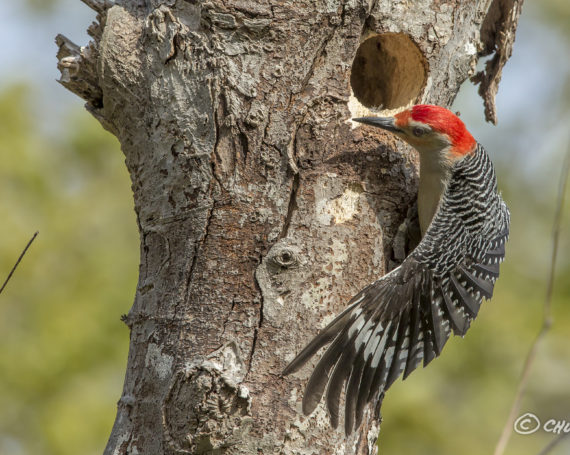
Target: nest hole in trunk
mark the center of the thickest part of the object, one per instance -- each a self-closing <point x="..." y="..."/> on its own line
<point x="388" y="72"/>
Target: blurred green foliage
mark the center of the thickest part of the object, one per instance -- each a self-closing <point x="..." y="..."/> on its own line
<point x="63" y="350"/>
<point x="557" y="12"/>
<point x="40" y="7"/>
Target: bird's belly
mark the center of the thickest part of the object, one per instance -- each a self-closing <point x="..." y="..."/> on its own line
<point x="429" y="196"/>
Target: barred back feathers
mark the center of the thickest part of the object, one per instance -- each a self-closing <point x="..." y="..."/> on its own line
<point x="407" y="316"/>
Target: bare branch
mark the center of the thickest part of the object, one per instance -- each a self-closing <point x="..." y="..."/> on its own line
<point x="99" y="6"/>
<point x="78" y="70"/>
<point x="498" y="36"/>
<point x="552" y="444"/>
<point x="18" y="261"/>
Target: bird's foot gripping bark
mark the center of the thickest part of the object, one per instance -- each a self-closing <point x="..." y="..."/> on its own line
<point x="406" y="239"/>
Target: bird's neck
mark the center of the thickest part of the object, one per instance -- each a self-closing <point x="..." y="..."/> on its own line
<point x="435" y="170"/>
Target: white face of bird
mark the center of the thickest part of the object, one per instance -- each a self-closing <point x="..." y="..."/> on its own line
<point x="435" y="132"/>
<point x="423" y="137"/>
<point x="432" y="145"/>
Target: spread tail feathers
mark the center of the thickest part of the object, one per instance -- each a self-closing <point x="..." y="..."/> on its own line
<point x="388" y="328"/>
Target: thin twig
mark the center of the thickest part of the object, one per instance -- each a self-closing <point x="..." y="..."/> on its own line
<point x="553" y="443"/>
<point x="547" y="315"/>
<point x="18" y="261"/>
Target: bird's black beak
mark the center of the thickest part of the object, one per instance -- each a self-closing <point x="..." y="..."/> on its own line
<point x="386" y="123"/>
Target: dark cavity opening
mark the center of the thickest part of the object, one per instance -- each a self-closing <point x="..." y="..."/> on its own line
<point x="388" y="72"/>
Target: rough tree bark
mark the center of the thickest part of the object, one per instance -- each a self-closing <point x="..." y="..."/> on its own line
<point x="261" y="210"/>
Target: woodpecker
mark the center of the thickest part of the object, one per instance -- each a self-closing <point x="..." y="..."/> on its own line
<point x="407" y="316"/>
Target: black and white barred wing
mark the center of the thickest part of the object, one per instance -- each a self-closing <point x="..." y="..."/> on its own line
<point x="391" y="326"/>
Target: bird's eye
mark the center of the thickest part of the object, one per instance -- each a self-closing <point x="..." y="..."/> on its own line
<point x="419" y="131"/>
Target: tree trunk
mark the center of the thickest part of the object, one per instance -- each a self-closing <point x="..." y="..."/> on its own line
<point x="261" y="210"/>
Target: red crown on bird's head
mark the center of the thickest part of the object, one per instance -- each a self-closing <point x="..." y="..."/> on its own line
<point x="443" y="121"/>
